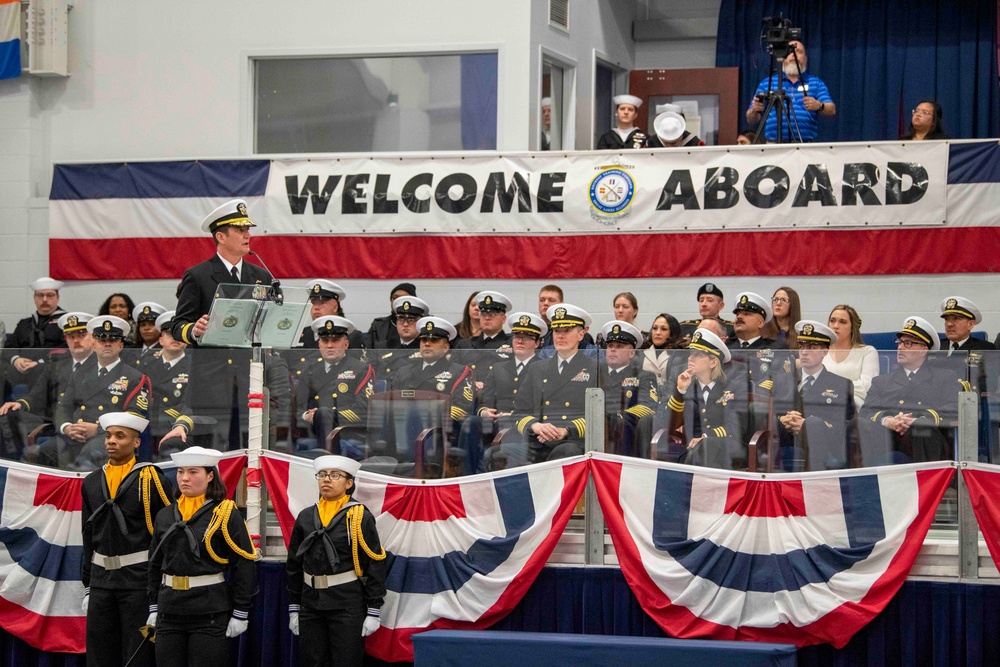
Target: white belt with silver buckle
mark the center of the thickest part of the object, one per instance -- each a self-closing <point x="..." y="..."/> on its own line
<point x="118" y="562"/>
<point x="321" y="581"/>
<point x="182" y="583"/>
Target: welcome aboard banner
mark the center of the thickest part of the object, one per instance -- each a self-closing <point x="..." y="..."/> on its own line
<point x="840" y="209"/>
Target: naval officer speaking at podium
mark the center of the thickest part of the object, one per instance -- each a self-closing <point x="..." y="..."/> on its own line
<point x="217" y="374"/>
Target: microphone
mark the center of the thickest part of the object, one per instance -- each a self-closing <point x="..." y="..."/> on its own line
<point x="276" y="294"/>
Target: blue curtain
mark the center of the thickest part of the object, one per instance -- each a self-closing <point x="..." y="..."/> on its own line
<point x="879" y="58"/>
<point x="479" y="101"/>
<point x="927" y="623"/>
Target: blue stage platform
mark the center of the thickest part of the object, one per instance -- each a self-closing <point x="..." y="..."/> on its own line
<point x="928" y="623"/>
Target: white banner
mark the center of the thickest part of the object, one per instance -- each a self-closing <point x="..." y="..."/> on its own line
<point x="870" y="185"/>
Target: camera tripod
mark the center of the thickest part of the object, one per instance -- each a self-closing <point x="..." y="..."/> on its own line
<point x="777" y="101"/>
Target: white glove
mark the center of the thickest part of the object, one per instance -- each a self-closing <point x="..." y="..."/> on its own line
<point x="151" y="619"/>
<point x="370" y="626"/>
<point x="86" y="603"/>
<point x="236" y="627"/>
<point x="293" y="623"/>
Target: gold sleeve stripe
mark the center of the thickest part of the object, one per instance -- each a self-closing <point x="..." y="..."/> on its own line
<point x="173" y="412"/>
<point x="350" y="416"/>
<point x="186" y="421"/>
<point x="185" y="333"/>
<point x="767" y="385"/>
<point x="675" y="405"/>
<point x="720" y="432"/>
<point x="522" y="425"/>
<point x="937" y="417"/>
<point x="458" y="413"/>
<point x="876" y="416"/>
<point x="581" y="426"/>
<point x="25" y="402"/>
<point x="640" y="411"/>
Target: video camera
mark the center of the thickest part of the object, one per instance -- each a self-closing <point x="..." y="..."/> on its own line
<point x="778" y="32"/>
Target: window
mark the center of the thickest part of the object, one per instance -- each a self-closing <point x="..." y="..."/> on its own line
<point x="394" y="103"/>
<point x="553" y="107"/>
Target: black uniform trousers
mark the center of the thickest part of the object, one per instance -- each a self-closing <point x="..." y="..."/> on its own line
<point x="192" y="640"/>
<point x="331" y="638"/>
<point x="114" y="617"/>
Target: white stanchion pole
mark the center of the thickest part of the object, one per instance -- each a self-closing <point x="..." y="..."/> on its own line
<point x="255" y="403"/>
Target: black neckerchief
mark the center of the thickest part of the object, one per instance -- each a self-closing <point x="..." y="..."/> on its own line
<point x="322" y="532"/>
<point x="181" y="525"/>
<point x="112" y="503"/>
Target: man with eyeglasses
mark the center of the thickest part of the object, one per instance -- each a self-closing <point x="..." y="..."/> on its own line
<point x="34" y="336"/>
<point x="408" y="310"/>
<point x="816" y="420"/>
<point x="906" y="413"/>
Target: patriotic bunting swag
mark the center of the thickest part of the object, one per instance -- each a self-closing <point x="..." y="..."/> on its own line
<point x="462" y="553"/>
<point x="803" y="559"/>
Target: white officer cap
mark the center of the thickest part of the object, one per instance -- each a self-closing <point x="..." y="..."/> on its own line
<point x="197" y="456"/>
<point x="435" y="327"/>
<point x="956" y="305"/>
<point x="74" y="321"/>
<point x="707" y="341"/>
<point x="753" y="303"/>
<point x="125" y="419"/>
<point x="46" y="283"/>
<point x="233" y="212"/>
<point x="621" y="332"/>
<point x="332" y="325"/>
<point x="108" y="326"/>
<point x="815" y="332"/>
<point x="627" y="99"/>
<point x="546" y="102"/>
<point x="921" y="329"/>
<point x="527" y="323"/>
<point x="342" y="463"/>
<point x="165" y="319"/>
<point x="493" y="301"/>
<point x="326" y="289"/>
<point x="410" y="305"/>
<point x="565" y="315"/>
<point x="147" y="310"/>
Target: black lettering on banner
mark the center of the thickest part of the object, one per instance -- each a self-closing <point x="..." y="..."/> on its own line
<point x="496" y="189"/>
<point x="550" y="190"/>
<point x="859" y="181"/>
<point x="894" y="192"/>
<point x="678" y="190"/>
<point x="465" y="201"/>
<point x="310" y="192"/>
<point x="380" y="201"/>
<point x="409" y="194"/>
<point x="355" y="187"/>
<point x="815" y="186"/>
<point x="720" y="188"/>
<point x="779" y="191"/>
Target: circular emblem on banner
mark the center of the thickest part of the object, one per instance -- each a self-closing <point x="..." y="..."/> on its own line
<point x="611" y="193"/>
